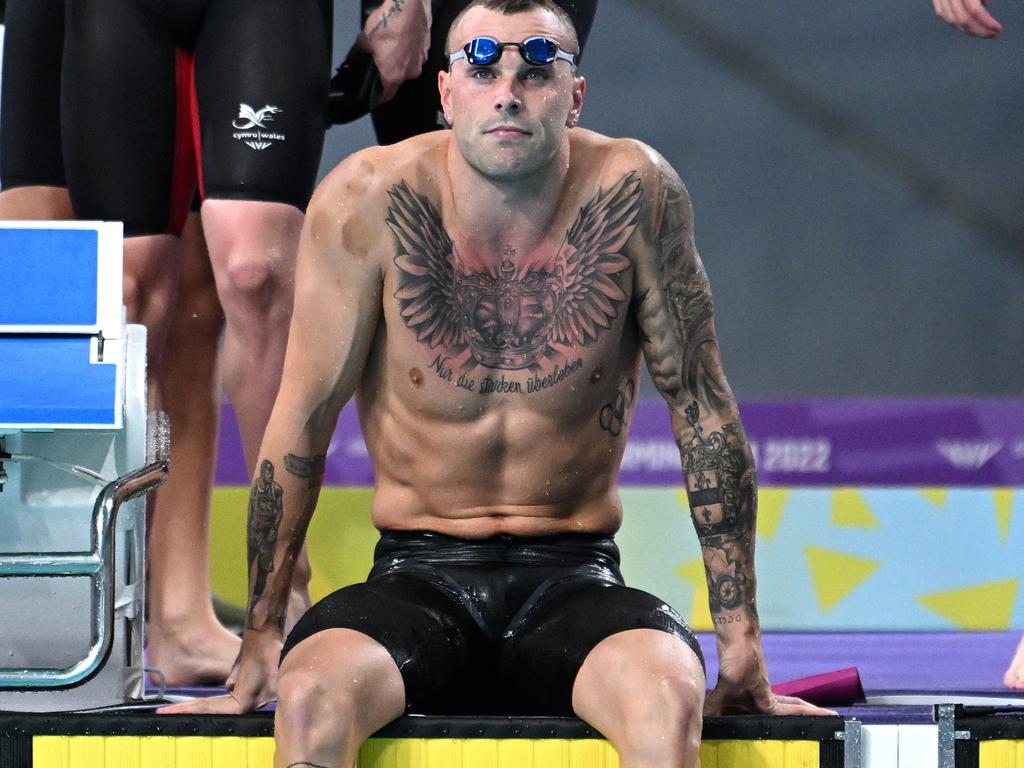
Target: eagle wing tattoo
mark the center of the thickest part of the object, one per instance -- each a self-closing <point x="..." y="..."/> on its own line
<point x="427" y="295"/>
<point x="588" y="258"/>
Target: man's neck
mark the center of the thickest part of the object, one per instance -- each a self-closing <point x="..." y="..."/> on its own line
<point x="489" y="212"/>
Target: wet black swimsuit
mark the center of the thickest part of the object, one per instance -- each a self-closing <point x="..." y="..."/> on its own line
<point x="262" y="71"/>
<point x="30" y="150"/>
<point x="494" y="626"/>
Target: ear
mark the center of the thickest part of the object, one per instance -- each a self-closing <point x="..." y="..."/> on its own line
<point x="579" y="89"/>
<point x="444" y="87"/>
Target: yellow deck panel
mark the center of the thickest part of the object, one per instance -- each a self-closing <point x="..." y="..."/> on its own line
<point x="258" y="752"/>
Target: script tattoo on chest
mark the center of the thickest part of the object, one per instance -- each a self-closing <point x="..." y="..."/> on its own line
<point x="511" y="317"/>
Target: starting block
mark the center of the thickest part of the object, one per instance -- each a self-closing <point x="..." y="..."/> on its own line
<point x="77" y="453"/>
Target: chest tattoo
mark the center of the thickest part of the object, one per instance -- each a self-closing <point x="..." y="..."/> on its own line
<point x="510" y="317"/>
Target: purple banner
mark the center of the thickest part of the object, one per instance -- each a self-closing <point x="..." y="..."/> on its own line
<point x="796" y="443"/>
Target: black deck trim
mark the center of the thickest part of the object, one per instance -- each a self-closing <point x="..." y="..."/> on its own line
<point x="16" y="725"/>
<point x="16" y="752"/>
<point x="991" y="723"/>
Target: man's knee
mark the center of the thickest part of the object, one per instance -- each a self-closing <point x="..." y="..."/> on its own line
<point x="148" y="294"/>
<point x="248" y="276"/>
<point x="304" y="697"/>
<point x="253" y="248"/>
<point x="644" y="689"/>
<point x="339" y="676"/>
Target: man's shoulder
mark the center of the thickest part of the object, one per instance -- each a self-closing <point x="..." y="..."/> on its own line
<point x="362" y="180"/>
<point x="598" y="151"/>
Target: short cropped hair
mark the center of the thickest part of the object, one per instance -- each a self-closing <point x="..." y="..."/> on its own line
<point x="511" y="7"/>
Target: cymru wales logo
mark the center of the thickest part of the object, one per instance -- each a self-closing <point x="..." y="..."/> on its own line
<point x="251" y="126"/>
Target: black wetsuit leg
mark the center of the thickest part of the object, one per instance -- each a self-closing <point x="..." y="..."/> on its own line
<point x="121" y="132"/>
<point x="414" y="109"/>
<point x="423" y="625"/>
<point x="262" y="79"/>
<point x="30" y="148"/>
<point x="544" y="651"/>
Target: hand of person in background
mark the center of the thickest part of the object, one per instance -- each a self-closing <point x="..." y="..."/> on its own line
<point x="398" y="35"/>
<point x="969" y="16"/>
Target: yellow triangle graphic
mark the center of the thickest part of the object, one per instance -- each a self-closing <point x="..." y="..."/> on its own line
<point x="850" y="510"/>
<point x="1003" y="498"/>
<point x="683" y="500"/>
<point x="700" y="614"/>
<point x="835" y="574"/>
<point x="936" y="496"/>
<point x="770" y="502"/>
<point x="983" y="606"/>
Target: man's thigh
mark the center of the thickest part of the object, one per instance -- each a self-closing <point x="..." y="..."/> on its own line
<point x="544" y="652"/>
<point x="432" y="639"/>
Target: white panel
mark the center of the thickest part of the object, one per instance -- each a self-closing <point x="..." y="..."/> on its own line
<point x="880" y="746"/>
<point x="919" y="746"/>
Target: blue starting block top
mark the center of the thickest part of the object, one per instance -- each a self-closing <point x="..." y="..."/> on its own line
<point x="61" y="354"/>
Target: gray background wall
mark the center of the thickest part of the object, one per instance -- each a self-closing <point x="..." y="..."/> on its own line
<point x="857" y="171"/>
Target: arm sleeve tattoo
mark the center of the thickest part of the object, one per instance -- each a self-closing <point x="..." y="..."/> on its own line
<point x="676" y="317"/>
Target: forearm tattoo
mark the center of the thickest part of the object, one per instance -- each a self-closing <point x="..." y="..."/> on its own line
<point x="266" y="508"/>
<point x="310" y="468"/>
<point x="676" y="315"/>
<point x="721" y="487"/>
<point x="397" y="6"/>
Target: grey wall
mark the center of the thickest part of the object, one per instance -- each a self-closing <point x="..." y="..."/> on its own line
<point x="857" y="171"/>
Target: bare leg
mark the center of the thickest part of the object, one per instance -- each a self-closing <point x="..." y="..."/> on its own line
<point x="1014" y="677"/>
<point x="644" y="690"/>
<point x="253" y="246"/>
<point x="35" y="203"/>
<point x="152" y="272"/>
<point x="185" y="639"/>
<point x="334" y="690"/>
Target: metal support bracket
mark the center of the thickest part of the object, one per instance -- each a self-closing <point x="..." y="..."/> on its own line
<point x="97" y="563"/>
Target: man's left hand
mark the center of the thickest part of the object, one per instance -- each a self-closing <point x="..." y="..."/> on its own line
<point x="398" y="36"/>
<point x="743" y="686"/>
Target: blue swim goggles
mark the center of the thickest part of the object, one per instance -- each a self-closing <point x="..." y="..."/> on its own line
<point x="483" y="51"/>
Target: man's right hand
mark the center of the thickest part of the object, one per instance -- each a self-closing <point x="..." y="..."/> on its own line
<point x="969" y="16"/>
<point x="397" y="34"/>
<point x="253" y="683"/>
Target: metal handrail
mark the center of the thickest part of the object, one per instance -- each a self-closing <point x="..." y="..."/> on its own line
<point x="98" y="564"/>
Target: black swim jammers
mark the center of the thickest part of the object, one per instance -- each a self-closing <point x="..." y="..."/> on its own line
<point x="498" y="626"/>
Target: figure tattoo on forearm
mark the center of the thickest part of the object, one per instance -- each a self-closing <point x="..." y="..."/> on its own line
<point x="266" y="507"/>
<point x="676" y="313"/>
<point x="310" y="468"/>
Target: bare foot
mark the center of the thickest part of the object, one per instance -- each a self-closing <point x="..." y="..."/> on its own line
<point x="1014" y="677"/>
<point x="192" y="657"/>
